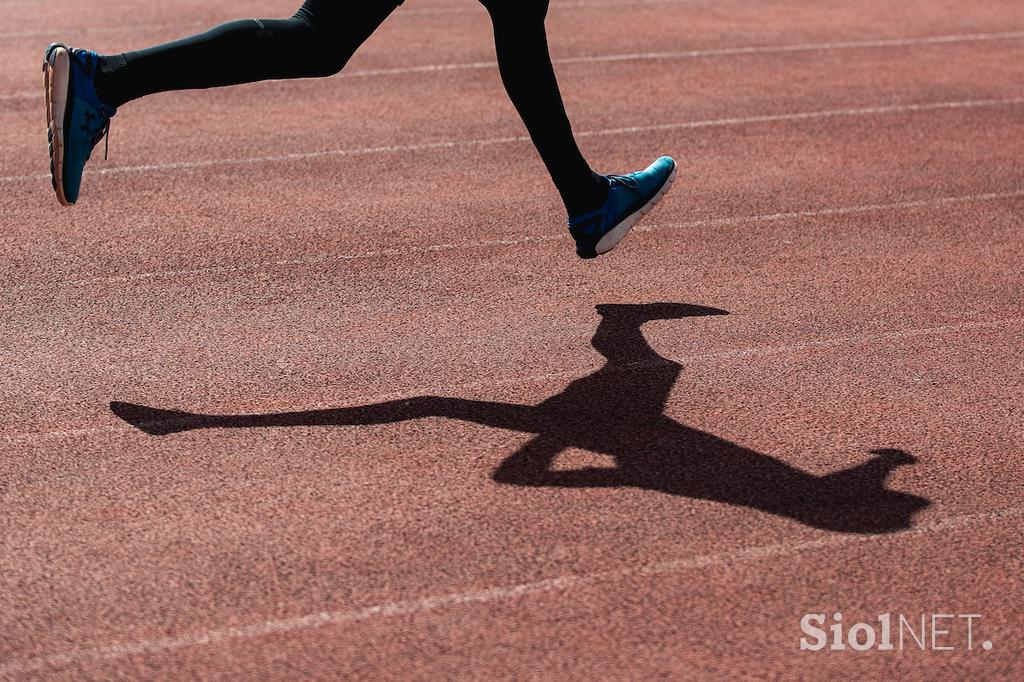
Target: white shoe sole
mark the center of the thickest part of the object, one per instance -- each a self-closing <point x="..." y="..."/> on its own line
<point x="617" y="233"/>
<point x="56" y="77"/>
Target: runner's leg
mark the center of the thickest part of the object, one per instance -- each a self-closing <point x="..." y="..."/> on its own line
<point x="317" y="41"/>
<point x="529" y="78"/>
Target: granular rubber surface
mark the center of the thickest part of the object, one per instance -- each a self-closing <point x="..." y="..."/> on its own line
<point x="412" y="436"/>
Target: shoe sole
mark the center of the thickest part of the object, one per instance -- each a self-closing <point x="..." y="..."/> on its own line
<point x="56" y="79"/>
<point x="617" y="233"/>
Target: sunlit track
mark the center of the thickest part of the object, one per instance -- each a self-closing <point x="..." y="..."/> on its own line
<point x="669" y="56"/>
<point x="851" y="112"/>
<point x="500" y="593"/>
<point x="508" y="243"/>
<point x="314" y="385"/>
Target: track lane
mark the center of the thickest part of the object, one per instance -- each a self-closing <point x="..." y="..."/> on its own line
<point x="226" y="646"/>
<point x="799" y="391"/>
<point x="227" y="568"/>
<point x="730" y="171"/>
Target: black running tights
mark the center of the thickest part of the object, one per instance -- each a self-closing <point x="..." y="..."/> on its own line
<point x="319" y="40"/>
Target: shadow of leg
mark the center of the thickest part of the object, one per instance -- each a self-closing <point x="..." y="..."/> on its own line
<point x="531" y="466"/>
<point x="160" y="422"/>
<point x="856" y="499"/>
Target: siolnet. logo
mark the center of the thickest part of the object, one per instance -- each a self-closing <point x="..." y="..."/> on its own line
<point x="893" y="632"/>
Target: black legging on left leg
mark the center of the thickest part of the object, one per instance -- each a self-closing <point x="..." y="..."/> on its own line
<point x="319" y="40"/>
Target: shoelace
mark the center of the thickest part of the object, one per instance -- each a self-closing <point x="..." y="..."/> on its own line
<point x="106" y="139"/>
<point x="104" y="134"/>
<point x="624" y="180"/>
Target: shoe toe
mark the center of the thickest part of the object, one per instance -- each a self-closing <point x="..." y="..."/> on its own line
<point x="651" y="179"/>
<point x="662" y="166"/>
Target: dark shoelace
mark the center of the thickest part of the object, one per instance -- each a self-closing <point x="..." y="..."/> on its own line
<point x="623" y="180"/>
<point x="106" y="139"/>
<point x="104" y="134"/>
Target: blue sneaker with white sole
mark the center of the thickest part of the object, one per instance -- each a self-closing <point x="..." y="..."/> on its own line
<point x="630" y="198"/>
<point x="77" y="119"/>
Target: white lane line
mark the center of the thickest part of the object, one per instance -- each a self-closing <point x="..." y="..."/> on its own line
<point x="726" y="355"/>
<point x="486" y="142"/>
<point x="713" y="52"/>
<point x="662" y="56"/>
<point x="449" y="388"/>
<point x="801" y="47"/>
<point x="59" y="33"/>
<point x="845" y="210"/>
<point x="501" y="593"/>
<point x="499" y="243"/>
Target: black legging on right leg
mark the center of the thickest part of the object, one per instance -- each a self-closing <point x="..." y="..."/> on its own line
<point x="319" y="40"/>
<point x="521" y="44"/>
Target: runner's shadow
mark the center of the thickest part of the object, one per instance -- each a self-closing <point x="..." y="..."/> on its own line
<point x="619" y="411"/>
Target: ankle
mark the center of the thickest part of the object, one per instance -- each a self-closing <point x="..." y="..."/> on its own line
<point x="108" y="69"/>
<point x="588" y="198"/>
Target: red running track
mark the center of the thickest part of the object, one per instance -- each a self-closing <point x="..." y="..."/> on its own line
<point x="361" y="293"/>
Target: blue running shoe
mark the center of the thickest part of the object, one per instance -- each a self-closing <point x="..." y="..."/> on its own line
<point x="630" y="198"/>
<point x="76" y="117"/>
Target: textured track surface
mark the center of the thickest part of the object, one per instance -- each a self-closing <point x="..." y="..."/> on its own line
<point x="400" y="455"/>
